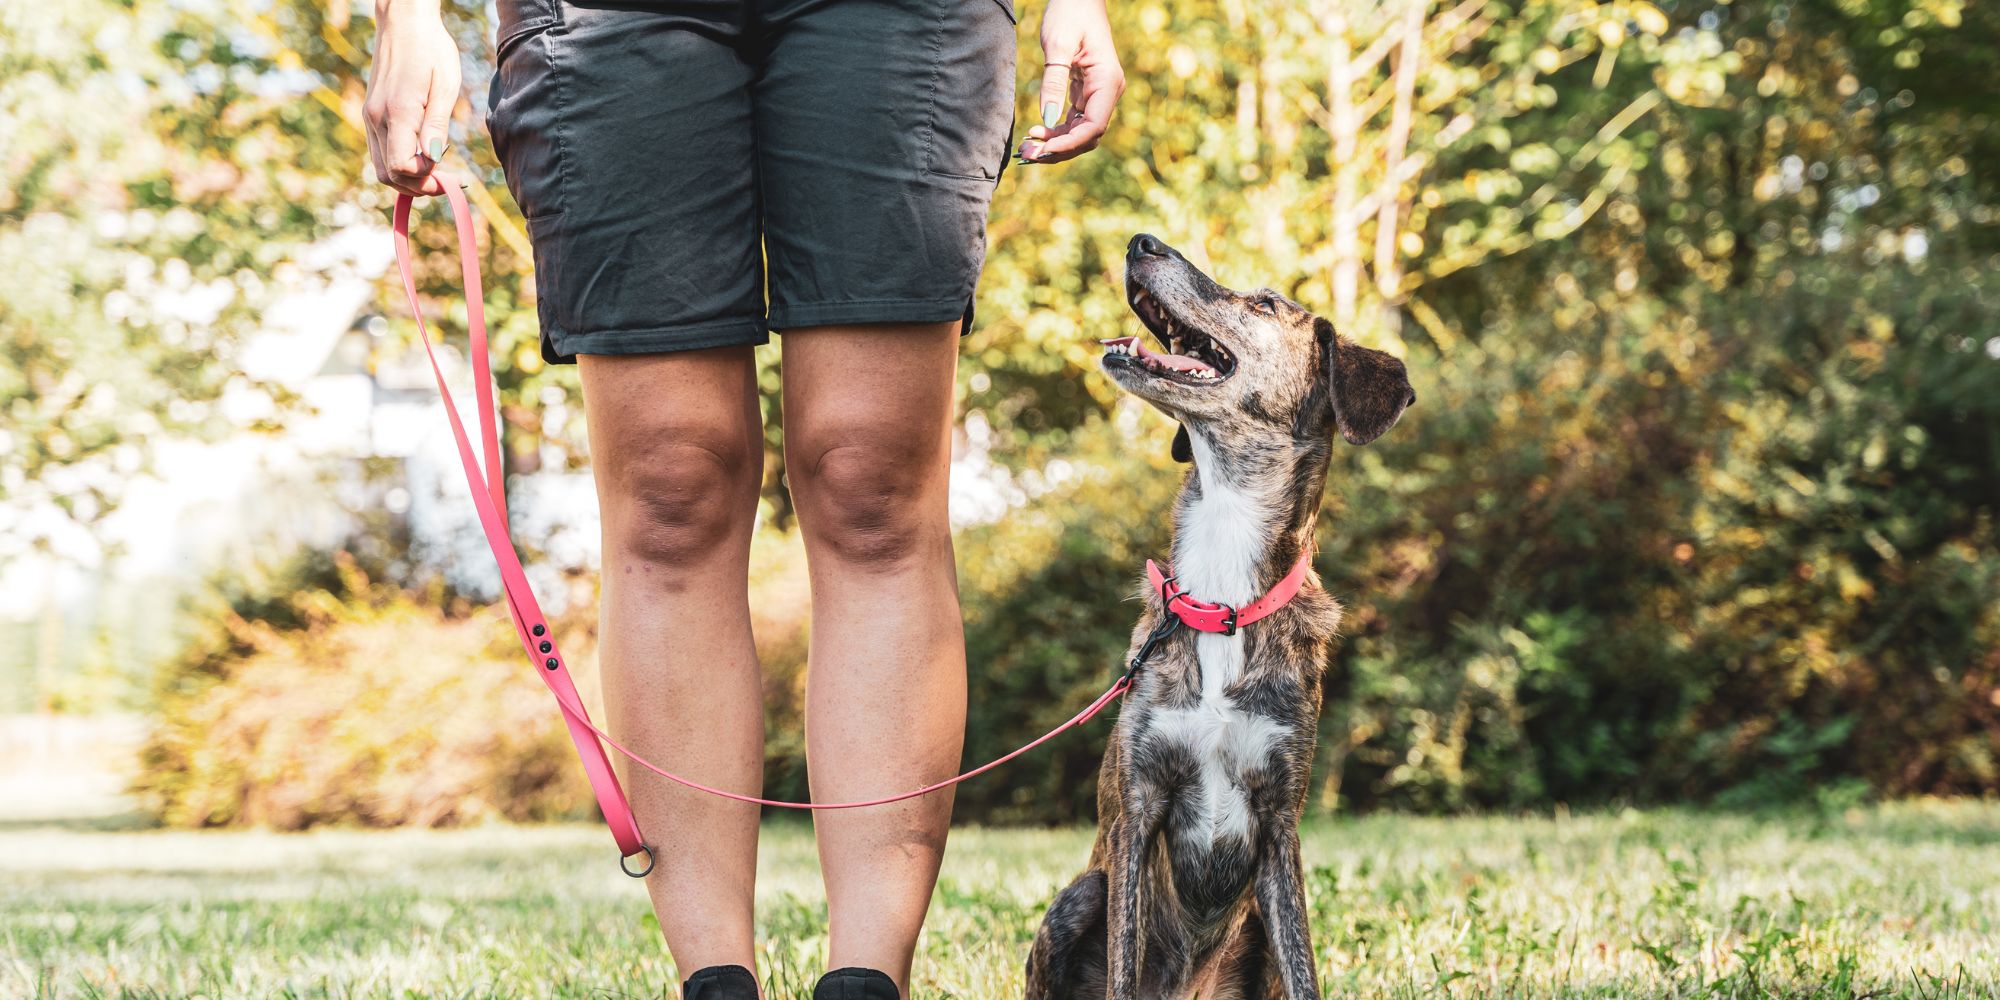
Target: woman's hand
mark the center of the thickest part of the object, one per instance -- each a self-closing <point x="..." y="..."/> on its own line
<point x="1081" y="81"/>
<point x="412" y="89"/>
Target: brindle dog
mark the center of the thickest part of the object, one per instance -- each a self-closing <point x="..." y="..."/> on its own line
<point x="1195" y="881"/>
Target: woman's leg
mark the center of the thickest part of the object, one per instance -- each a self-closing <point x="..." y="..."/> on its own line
<point x="868" y="413"/>
<point x="677" y="446"/>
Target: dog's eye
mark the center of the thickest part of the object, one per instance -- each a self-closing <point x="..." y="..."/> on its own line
<point x="1265" y="304"/>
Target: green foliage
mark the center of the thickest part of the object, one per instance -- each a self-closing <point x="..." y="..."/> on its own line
<point x="1723" y="477"/>
<point x="1775" y="567"/>
<point x="153" y="189"/>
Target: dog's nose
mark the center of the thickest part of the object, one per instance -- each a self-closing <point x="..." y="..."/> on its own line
<point x="1147" y="245"/>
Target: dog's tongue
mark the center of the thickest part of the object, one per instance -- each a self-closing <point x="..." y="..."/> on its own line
<point x="1178" y="362"/>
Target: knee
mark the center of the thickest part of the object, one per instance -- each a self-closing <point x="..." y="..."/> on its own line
<point x="873" y="498"/>
<point x="681" y="504"/>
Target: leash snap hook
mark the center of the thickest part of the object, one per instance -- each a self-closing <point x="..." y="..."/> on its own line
<point x="1168" y="622"/>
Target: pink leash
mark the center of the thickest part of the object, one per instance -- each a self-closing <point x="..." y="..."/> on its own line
<point x="489" y="496"/>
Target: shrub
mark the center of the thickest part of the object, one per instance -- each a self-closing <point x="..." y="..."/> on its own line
<point x="340" y="700"/>
<point x="315" y="695"/>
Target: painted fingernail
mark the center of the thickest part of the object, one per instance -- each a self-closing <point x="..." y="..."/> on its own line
<point x="436" y="149"/>
<point x="1030" y="150"/>
<point x="1051" y="115"/>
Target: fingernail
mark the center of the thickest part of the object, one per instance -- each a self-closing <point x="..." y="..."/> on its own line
<point x="436" y="148"/>
<point x="1029" y="151"/>
<point x="1051" y="115"/>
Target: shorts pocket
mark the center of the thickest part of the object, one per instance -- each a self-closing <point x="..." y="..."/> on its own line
<point x="524" y="106"/>
<point x="519" y="17"/>
<point x="972" y="89"/>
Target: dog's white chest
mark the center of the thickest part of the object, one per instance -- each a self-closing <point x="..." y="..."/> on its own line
<point x="1220" y="543"/>
<point x="1227" y="743"/>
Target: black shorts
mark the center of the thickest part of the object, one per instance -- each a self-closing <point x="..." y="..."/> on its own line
<point x="680" y="160"/>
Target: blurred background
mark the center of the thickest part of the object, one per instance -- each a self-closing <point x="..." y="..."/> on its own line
<point x="1700" y="298"/>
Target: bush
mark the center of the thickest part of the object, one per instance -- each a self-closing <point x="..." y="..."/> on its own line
<point x="340" y="700"/>
<point x="316" y="695"/>
<point x="1744" y="551"/>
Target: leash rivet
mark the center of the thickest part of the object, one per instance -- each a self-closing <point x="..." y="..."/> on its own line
<point x="546" y="646"/>
<point x="541" y="630"/>
<point x="552" y="664"/>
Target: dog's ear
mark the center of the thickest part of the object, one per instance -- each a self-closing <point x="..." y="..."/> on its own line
<point x="1368" y="389"/>
<point x="1183" y="449"/>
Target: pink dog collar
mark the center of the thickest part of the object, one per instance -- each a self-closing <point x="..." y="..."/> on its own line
<point x="1205" y="617"/>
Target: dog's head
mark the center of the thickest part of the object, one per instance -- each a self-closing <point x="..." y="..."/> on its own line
<point x="1246" y="365"/>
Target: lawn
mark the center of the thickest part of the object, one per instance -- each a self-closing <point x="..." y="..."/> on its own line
<point x="1896" y="901"/>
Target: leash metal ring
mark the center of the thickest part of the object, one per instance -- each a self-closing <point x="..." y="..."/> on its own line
<point x="624" y="866"/>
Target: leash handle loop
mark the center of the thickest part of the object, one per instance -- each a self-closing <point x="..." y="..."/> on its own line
<point x="489" y="498"/>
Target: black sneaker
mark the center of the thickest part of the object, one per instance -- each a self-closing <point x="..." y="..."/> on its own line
<point x="721" y="982"/>
<point x="856" y="984"/>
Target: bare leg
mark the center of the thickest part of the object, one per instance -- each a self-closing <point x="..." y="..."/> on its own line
<point x="867" y="450"/>
<point x="676" y="443"/>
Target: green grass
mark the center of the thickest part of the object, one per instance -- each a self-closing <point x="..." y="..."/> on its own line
<point x="1898" y="901"/>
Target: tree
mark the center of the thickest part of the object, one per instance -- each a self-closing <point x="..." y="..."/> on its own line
<point x="159" y="177"/>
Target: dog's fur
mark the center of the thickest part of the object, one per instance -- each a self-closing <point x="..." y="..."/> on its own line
<point x="1195" y="880"/>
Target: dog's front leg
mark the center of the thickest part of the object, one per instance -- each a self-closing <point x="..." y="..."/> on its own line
<point x="1281" y="899"/>
<point x="1138" y="822"/>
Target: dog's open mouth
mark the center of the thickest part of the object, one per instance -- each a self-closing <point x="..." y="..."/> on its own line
<point x="1192" y="358"/>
